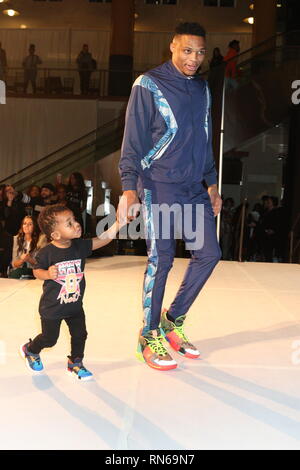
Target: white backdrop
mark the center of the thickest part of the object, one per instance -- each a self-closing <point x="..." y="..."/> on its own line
<point x="56" y="48"/>
<point x="153" y="48"/>
<point x="59" y="48"/>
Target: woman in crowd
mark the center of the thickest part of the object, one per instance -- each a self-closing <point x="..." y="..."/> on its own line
<point x="26" y="246"/>
<point x="12" y="212"/>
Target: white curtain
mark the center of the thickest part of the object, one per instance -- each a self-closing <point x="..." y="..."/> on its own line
<point x="57" y="48"/>
<point x="153" y="48"/>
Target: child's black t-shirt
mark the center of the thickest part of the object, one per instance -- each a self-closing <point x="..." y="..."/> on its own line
<point x="62" y="298"/>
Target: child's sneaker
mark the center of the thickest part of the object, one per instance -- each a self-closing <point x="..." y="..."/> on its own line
<point x="152" y="351"/>
<point x="78" y="370"/>
<point x="33" y="361"/>
<point x="174" y="334"/>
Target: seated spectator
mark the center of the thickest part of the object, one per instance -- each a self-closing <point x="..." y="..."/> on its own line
<point x="12" y="211"/>
<point x="270" y="228"/>
<point x="46" y="198"/>
<point x="33" y="192"/>
<point x="226" y="238"/>
<point x="25" y="248"/>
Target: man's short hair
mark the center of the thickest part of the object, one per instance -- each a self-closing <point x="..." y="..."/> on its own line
<point x="192" y="29"/>
<point x="48" y="186"/>
<point x="47" y="218"/>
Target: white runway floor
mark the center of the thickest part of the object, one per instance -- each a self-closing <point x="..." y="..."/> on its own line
<point x="243" y="394"/>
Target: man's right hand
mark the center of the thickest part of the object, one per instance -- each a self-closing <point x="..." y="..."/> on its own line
<point x="128" y="207"/>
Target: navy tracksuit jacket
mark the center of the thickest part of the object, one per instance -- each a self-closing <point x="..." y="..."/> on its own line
<point x="167" y="154"/>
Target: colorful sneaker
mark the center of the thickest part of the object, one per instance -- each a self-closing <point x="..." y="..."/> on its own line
<point x="174" y="334"/>
<point x="78" y="370"/>
<point x="33" y="361"/>
<point x="152" y="351"/>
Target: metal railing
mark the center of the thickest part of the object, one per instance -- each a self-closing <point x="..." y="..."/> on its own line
<point x="56" y="81"/>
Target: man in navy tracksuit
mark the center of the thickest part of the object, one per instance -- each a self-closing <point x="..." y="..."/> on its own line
<point x="166" y="157"/>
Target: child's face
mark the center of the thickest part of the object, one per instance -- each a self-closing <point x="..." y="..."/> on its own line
<point x="66" y="227"/>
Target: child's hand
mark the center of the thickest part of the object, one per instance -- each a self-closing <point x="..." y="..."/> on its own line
<point x="53" y="272"/>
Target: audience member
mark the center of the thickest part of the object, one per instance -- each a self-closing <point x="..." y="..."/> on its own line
<point x="3" y="63"/>
<point x="30" y="64"/>
<point x="226" y="237"/>
<point x="270" y="229"/>
<point x="61" y="198"/>
<point x="77" y="195"/>
<point x="230" y="69"/>
<point x="12" y="211"/>
<point x="86" y="65"/>
<point x="26" y="245"/>
<point x="33" y="193"/>
<point x="217" y="58"/>
<point x="253" y="247"/>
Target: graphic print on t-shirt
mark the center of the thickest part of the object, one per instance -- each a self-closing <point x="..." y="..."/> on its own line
<point x="69" y="276"/>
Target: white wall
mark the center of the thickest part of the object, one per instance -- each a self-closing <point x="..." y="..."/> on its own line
<point x="33" y="128"/>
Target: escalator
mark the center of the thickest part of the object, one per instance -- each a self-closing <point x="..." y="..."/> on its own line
<point x="74" y="156"/>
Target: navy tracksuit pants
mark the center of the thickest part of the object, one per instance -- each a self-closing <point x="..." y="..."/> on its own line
<point x="192" y="220"/>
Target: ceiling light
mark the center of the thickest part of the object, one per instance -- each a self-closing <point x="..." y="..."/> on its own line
<point x="23" y="26"/>
<point x="251" y="6"/>
<point x="10" y="12"/>
<point x="249" y="20"/>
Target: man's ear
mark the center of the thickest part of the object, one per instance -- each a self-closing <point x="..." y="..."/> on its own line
<point x="172" y="46"/>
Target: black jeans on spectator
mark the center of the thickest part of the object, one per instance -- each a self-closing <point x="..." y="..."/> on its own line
<point x="50" y="334"/>
<point x="85" y="76"/>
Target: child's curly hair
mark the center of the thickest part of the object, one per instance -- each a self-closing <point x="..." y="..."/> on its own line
<point x="47" y="218"/>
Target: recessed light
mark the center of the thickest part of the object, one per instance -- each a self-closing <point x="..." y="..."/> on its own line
<point x="249" y="20"/>
<point x="11" y="12"/>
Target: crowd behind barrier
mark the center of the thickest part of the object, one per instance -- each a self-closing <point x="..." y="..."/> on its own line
<point x="20" y="237"/>
<point x="264" y="228"/>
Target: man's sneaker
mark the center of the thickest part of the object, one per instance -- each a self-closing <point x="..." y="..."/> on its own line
<point x="33" y="361"/>
<point x="78" y="370"/>
<point x="174" y="334"/>
<point x="152" y="351"/>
